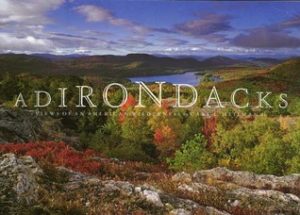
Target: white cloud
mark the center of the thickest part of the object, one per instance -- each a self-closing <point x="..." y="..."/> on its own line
<point x="23" y="44"/>
<point x="94" y="13"/>
<point x="26" y="11"/>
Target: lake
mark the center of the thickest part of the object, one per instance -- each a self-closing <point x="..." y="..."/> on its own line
<point x="191" y="78"/>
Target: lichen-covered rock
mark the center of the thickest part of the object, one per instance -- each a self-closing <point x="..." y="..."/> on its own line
<point x="180" y="212"/>
<point x="153" y="197"/>
<point x="182" y="177"/>
<point x="19" y="126"/>
<point x="237" y="191"/>
<point x="286" y="184"/>
<point x="156" y="199"/>
<point x="22" y="126"/>
<point x="18" y="181"/>
<point x="210" y="192"/>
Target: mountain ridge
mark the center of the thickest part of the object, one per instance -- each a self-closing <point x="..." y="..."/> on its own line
<point x="111" y="65"/>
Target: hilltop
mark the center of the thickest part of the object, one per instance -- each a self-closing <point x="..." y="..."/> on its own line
<point x="287" y="71"/>
<point x="282" y="77"/>
<point x="111" y="65"/>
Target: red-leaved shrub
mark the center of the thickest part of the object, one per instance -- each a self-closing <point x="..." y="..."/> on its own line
<point x="131" y="102"/>
<point x="57" y="153"/>
<point x="210" y="125"/>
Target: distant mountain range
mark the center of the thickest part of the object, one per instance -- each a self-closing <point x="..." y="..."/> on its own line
<point x="288" y="71"/>
<point x="119" y="66"/>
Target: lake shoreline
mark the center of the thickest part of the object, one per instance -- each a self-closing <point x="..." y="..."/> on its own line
<point x="186" y="77"/>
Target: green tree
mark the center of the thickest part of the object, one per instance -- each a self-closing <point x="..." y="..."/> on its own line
<point x="192" y="156"/>
<point x="292" y="139"/>
<point x="109" y="135"/>
<point x="269" y="157"/>
<point x="9" y="87"/>
<point x="229" y="145"/>
<point x="228" y="118"/>
<point x="135" y="128"/>
<point x="192" y="125"/>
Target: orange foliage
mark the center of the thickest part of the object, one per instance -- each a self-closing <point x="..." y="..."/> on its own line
<point x="165" y="139"/>
<point x="209" y="128"/>
<point x="131" y="102"/>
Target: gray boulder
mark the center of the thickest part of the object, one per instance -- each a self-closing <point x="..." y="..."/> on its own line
<point x="19" y="126"/>
<point x="18" y="182"/>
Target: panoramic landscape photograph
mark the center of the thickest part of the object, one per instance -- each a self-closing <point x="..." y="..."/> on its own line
<point x="140" y="107"/>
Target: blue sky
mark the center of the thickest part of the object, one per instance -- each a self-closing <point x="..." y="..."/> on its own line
<point x="203" y="28"/>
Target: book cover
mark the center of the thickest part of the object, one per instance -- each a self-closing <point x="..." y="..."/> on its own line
<point x="149" y="107"/>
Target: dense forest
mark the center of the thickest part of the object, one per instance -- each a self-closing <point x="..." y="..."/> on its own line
<point x="260" y="140"/>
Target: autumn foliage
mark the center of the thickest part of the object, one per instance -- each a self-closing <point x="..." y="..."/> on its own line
<point x="164" y="138"/>
<point x="57" y="153"/>
<point x="131" y="102"/>
<point x="210" y="126"/>
<point x="89" y="161"/>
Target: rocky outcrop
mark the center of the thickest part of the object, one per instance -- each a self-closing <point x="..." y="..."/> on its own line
<point x="240" y="192"/>
<point x="287" y="184"/>
<point x="157" y="200"/>
<point x="22" y="126"/>
<point x="22" y="181"/>
<point x="19" y="126"/>
<point x="25" y="186"/>
<point x="18" y="182"/>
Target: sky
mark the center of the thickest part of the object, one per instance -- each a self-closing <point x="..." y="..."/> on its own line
<point x="200" y="28"/>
